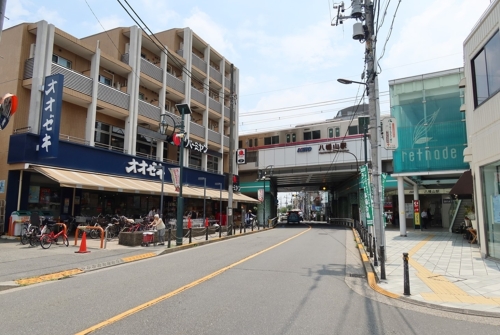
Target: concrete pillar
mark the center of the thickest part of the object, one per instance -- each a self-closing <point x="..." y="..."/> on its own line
<point x="92" y="108"/>
<point x="401" y="206"/>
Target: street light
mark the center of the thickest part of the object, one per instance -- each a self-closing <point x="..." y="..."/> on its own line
<point x="184" y="110"/>
<point x="220" y="208"/>
<point x="264" y="177"/>
<point x="204" y="195"/>
<point x="162" y="169"/>
<point x="348" y="82"/>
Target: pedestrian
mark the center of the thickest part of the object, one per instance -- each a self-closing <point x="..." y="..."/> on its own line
<point x="424" y="219"/>
<point x="248" y="217"/>
<point x="152" y="212"/>
<point x="160" y="227"/>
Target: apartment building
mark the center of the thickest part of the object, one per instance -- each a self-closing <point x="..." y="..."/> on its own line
<point x="482" y="113"/>
<point x="118" y="85"/>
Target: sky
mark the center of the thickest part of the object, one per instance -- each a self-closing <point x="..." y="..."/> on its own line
<point x="288" y="53"/>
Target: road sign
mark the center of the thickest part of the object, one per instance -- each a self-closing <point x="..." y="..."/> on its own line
<point x="390" y="133"/>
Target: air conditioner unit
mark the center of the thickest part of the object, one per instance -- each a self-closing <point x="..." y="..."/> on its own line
<point x="118" y="86"/>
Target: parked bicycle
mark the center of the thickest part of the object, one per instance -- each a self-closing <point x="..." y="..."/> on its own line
<point x="30" y="234"/>
<point x="49" y="236"/>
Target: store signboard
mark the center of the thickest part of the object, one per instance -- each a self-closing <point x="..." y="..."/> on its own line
<point x="51" y="116"/>
<point x="390" y="133"/>
<point x="416" y="213"/>
<point x="366" y="185"/>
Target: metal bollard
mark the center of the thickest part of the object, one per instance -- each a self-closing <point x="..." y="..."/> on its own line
<point x="220" y="230"/>
<point x="169" y="237"/>
<point x="375" y="262"/>
<point x="406" y="274"/>
<point x="382" y="262"/>
<point x="206" y="233"/>
<point x="241" y="228"/>
<point x="190" y="230"/>
<point x="370" y="244"/>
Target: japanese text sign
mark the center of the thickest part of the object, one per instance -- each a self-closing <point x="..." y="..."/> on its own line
<point x="51" y="116"/>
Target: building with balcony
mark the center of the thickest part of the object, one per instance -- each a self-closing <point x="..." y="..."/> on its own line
<point x="116" y="86"/>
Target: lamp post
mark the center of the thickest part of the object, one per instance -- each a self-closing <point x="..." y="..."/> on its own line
<point x="183" y="110"/>
<point x="375" y="142"/>
<point x="204" y="196"/>
<point x="220" y="208"/>
<point x="264" y="177"/>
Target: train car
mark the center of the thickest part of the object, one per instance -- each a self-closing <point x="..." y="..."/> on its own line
<point x="348" y="122"/>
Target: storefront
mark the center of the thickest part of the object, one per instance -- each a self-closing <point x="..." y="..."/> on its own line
<point x="490" y="181"/>
<point x="86" y="181"/>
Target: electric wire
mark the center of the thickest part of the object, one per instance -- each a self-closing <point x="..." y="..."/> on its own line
<point x="389" y="34"/>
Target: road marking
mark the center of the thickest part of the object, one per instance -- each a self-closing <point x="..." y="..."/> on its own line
<point x="49" y="277"/>
<point x="137" y="257"/>
<point x="180" y="290"/>
<point x="444" y="290"/>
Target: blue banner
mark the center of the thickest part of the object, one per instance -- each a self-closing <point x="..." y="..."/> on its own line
<point x="50" y="120"/>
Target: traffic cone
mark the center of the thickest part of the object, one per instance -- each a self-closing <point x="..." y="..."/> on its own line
<point x="189" y="222"/>
<point x="206" y="222"/>
<point x="83" y="245"/>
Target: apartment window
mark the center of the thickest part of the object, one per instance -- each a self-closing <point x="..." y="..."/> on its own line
<point x="251" y="156"/>
<point x="255" y="142"/>
<point x="271" y="140"/>
<point x="330" y="132"/>
<point x="288" y="138"/>
<point x="167" y="107"/>
<point x="312" y="135"/>
<point x="250" y="143"/>
<point x="141" y="96"/>
<point x="195" y="159"/>
<point x="212" y="164"/>
<point x="486" y="70"/>
<point x="61" y="61"/>
<point x="109" y="137"/>
<point x="294" y="138"/>
<point x="145" y="146"/>
<point x="104" y="80"/>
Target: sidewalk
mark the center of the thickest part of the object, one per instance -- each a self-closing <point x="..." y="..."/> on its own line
<point x="446" y="272"/>
<point x="25" y="265"/>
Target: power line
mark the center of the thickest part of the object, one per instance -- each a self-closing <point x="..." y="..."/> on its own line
<point x="389" y="34"/>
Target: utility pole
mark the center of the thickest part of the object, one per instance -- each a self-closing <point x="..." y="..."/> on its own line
<point x="365" y="32"/>
<point x="231" y="156"/>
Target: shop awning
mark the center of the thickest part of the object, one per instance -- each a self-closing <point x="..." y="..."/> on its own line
<point x="214" y="194"/>
<point x="464" y="187"/>
<point x="94" y="181"/>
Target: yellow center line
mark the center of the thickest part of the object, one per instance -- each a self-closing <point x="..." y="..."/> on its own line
<point x="179" y="290"/>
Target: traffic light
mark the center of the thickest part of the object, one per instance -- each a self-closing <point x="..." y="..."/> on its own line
<point x="173" y="139"/>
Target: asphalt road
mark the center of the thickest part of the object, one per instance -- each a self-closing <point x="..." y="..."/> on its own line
<point x="273" y="282"/>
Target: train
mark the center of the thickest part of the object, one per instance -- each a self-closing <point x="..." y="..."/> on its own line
<point x="350" y="121"/>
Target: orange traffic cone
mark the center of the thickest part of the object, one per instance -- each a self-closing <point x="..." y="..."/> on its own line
<point x="189" y="222"/>
<point x="83" y="245"/>
<point x="206" y="222"/>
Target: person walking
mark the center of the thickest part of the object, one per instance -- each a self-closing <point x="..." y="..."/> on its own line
<point x="160" y="227"/>
<point x="425" y="219"/>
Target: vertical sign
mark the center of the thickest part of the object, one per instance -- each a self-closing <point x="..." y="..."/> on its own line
<point x="51" y="116"/>
<point x="383" y="178"/>
<point x="175" y="173"/>
<point x="260" y="194"/>
<point x="241" y="155"/>
<point x="390" y="133"/>
<point x="416" y="213"/>
<point x="365" y="183"/>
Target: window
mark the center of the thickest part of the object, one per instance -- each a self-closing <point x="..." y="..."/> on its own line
<point x="272" y="140"/>
<point x="486" y="70"/>
<point x="145" y="146"/>
<point x="255" y="142"/>
<point x="252" y="156"/>
<point x="212" y="164"/>
<point x="195" y="159"/>
<point x="337" y="132"/>
<point x="61" y="61"/>
<point x="330" y="132"/>
<point x="288" y="138"/>
<point x="352" y="130"/>
<point x="294" y="139"/>
<point x="267" y="140"/>
<point x="312" y="135"/>
<point x="104" y="80"/>
<point x="141" y="96"/>
<point x="240" y="144"/>
<point x="109" y="137"/>
<point x="143" y="55"/>
<point x="250" y="143"/>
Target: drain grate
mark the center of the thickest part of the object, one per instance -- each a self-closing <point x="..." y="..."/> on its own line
<point x="356" y="275"/>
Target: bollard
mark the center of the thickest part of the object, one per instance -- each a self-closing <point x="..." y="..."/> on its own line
<point x="169" y="236"/>
<point x="220" y="230"/>
<point x="206" y="233"/>
<point x="370" y="244"/>
<point x="190" y="230"/>
<point x="375" y="262"/>
<point x="382" y="262"/>
<point x="406" y="274"/>
<point x="241" y="228"/>
<point x="252" y="226"/>
<point x="234" y="229"/>
<point x="244" y="228"/>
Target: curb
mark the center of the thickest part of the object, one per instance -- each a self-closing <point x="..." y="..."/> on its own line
<point x="373" y="280"/>
<point x="71" y="272"/>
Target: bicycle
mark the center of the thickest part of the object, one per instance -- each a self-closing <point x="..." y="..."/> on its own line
<point x="48" y="236"/>
<point x="30" y="234"/>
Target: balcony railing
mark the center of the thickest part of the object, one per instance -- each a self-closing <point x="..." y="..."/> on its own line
<point x="226" y="112"/>
<point x="197" y="130"/>
<point x="226" y="141"/>
<point x="215" y="75"/>
<point x="215" y="105"/>
<point x="149" y="111"/>
<point x="72" y="79"/>
<point x="180" y="52"/>
<point x="214" y="136"/>
<point x="198" y="96"/>
<point x="151" y="70"/>
<point x="199" y="63"/>
<point x="175" y="83"/>
<point x="113" y="96"/>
